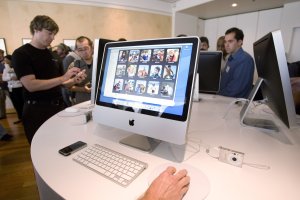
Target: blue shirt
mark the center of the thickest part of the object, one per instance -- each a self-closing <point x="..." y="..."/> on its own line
<point x="237" y="77"/>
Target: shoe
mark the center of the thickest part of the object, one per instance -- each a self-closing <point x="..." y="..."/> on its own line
<point x="17" y="122"/>
<point x="6" y="137"/>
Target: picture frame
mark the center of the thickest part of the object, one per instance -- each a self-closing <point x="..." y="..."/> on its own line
<point x="3" y="46"/>
<point x="70" y="43"/>
<point x="26" y="40"/>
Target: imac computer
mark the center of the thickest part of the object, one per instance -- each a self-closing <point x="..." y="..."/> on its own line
<point x="274" y="82"/>
<point x="209" y="70"/>
<point x="99" y="45"/>
<point x="145" y="87"/>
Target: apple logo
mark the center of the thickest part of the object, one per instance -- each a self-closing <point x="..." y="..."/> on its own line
<point x="131" y="122"/>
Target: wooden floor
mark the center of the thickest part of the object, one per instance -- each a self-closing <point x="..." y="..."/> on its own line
<point x="16" y="171"/>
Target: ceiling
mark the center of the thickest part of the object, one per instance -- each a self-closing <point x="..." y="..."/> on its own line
<point x="221" y="8"/>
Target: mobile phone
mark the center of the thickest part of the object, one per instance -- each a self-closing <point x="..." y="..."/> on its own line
<point x="89" y="85"/>
<point x="77" y="63"/>
<point x="68" y="150"/>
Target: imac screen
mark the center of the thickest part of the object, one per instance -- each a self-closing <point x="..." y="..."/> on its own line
<point x="152" y="76"/>
<point x="209" y="70"/>
<point x="274" y="80"/>
<point x="149" y="82"/>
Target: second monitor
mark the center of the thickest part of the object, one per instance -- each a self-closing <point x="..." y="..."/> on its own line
<point x="274" y="82"/>
<point x="209" y="70"/>
<point x="99" y="45"/>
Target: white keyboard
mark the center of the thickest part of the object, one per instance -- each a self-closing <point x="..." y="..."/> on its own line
<point x="113" y="165"/>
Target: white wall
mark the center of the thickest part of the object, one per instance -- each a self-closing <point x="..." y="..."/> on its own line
<point x="290" y="24"/>
<point x="257" y="24"/>
<point x="254" y="26"/>
<point x="201" y="27"/>
<point x="294" y="50"/>
<point x="268" y="20"/>
<point x="184" y="24"/>
<point x="247" y="22"/>
<point x="211" y="31"/>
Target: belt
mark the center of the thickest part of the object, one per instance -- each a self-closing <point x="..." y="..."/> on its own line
<point x="45" y="102"/>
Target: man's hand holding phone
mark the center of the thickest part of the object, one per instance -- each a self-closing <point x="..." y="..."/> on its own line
<point x="88" y="87"/>
<point x="79" y="77"/>
<point x="71" y="73"/>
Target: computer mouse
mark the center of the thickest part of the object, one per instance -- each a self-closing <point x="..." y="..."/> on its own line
<point x="72" y="110"/>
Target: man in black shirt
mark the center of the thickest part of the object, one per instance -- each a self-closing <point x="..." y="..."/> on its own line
<point x="41" y="75"/>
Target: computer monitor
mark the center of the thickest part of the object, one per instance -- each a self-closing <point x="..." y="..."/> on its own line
<point x="145" y="87"/>
<point x="97" y="61"/>
<point x="209" y="70"/>
<point x="274" y="82"/>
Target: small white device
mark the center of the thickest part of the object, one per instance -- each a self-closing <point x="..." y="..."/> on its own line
<point x="72" y="110"/>
<point x="231" y="157"/>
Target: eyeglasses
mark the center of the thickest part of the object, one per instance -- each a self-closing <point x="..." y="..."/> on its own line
<point x="83" y="49"/>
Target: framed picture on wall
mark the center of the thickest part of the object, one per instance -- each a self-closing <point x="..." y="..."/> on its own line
<point x="70" y="43"/>
<point x="3" y="45"/>
<point x="26" y="40"/>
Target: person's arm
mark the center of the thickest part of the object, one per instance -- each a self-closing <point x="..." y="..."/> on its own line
<point x="32" y="84"/>
<point x="169" y="185"/>
<point x="76" y="88"/>
<point x="295" y="82"/>
<point x="81" y="76"/>
<point x="5" y="75"/>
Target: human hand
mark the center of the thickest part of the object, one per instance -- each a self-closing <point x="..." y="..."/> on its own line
<point x="88" y="87"/>
<point x="295" y="82"/>
<point x="13" y="78"/>
<point x="168" y="186"/>
<point x="71" y="65"/>
<point x="71" y="73"/>
<point x="80" y="77"/>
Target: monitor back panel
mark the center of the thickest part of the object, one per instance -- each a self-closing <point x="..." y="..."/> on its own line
<point x="209" y="70"/>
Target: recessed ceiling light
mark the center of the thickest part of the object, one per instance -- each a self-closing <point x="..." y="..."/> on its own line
<point x="234" y="5"/>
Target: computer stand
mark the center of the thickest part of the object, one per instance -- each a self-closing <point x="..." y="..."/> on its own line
<point x="258" y="123"/>
<point x="196" y="89"/>
<point x="179" y="152"/>
<point x="184" y="152"/>
<point x="141" y="142"/>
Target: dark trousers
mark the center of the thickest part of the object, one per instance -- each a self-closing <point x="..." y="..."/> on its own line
<point x="2" y="104"/>
<point x="16" y="96"/>
<point x="34" y="115"/>
<point x="67" y="96"/>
